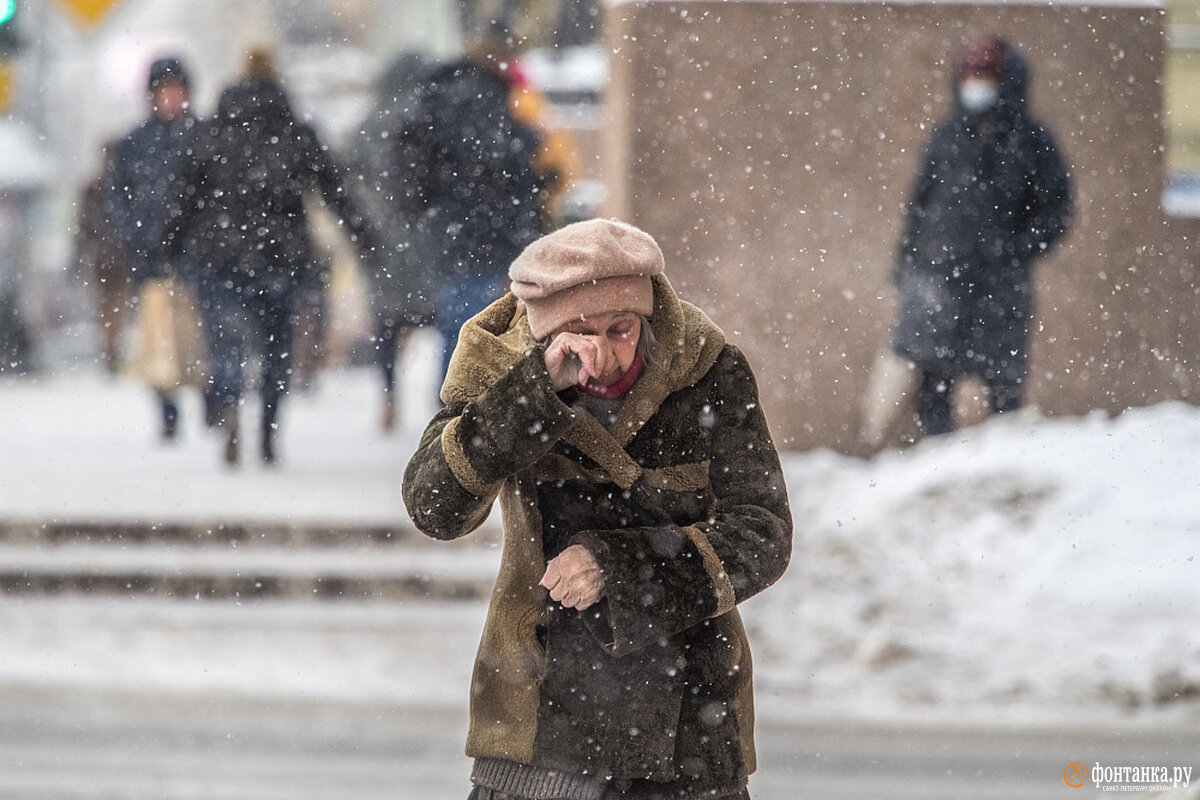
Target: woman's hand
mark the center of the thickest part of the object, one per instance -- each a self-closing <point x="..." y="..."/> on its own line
<point x="573" y="358"/>
<point x="574" y="578"/>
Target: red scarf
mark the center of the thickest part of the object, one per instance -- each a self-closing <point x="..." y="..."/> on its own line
<point x="618" y="387"/>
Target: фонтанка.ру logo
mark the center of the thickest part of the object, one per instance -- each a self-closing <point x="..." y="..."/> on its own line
<point x="1127" y="779"/>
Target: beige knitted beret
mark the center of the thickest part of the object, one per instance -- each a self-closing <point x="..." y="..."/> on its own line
<point x="585" y="268"/>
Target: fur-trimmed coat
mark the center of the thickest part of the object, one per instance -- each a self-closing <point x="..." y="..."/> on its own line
<point x="682" y="502"/>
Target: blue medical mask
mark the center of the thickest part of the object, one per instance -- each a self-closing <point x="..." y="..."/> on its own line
<point x="978" y="94"/>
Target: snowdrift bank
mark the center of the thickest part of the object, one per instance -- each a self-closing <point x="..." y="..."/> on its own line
<point x="1027" y="569"/>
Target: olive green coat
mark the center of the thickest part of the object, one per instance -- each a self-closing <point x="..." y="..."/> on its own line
<point x="682" y="503"/>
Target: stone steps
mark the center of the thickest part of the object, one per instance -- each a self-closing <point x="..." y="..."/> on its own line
<point x="133" y="532"/>
<point x="243" y="561"/>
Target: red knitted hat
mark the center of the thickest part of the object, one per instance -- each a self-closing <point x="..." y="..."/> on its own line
<point x="983" y="59"/>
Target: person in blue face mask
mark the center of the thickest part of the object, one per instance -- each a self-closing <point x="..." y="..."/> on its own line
<point x="992" y="195"/>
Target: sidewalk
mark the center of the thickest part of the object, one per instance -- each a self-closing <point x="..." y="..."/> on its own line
<point x="85" y="448"/>
<point x="91" y="501"/>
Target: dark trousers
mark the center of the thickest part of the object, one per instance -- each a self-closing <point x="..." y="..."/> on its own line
<point x="390" y="336"/>
<point x="241" y="321"/>
<point x="936" y="390"/>
<point x="170" y="412"/>
<point x="457" y="301"/>
<point x="16" y="348"/>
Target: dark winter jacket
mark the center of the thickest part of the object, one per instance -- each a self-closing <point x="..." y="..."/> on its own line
<point x="682" y="504"/>
<point x="239" y="211"/>
<point x="99" y="248"/>
<point x="401" y="270"/>
<point x="991" y="196"/>
<point x="146" y="166"/>
<point x="474" y="171"/>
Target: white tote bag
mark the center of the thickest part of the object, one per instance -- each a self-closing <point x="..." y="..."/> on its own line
<point x="887" y="413"/>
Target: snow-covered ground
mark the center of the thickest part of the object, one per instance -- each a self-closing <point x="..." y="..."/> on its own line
<point x="83" y="447"/>
<point x="1025" y="570"/>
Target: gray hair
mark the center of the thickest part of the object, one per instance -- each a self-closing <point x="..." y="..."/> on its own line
<point x="647" y="346"/>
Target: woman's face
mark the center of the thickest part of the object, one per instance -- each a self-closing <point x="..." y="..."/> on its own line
<point x="616" y="333"/>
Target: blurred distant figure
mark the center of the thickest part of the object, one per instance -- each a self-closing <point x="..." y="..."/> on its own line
<point x="556" y="162"/>
<point x="16" y="346"/>
<point x="400" y="271"/>
<point x="991" y="196"/>
<point x="147" y="159"/>
<point x="103" y="259"/>
<point x="474" y="174"/>
<point x="240" y="216"/>
<point x="311" y="316"/>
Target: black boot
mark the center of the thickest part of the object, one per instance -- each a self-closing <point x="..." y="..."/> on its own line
<point x="268" y="445"/>
<point x="229" y="424"/>
<point x="212" y="410"/>
<point x="388" y="419"/>
<point x="170" y="417"/>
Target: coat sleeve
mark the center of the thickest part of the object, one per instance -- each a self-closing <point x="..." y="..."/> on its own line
<point x="1048" y="197"/>
<point x="121" y="187"/>
<point x="661" y="580"/>
<point x="906" y="249"/>
<point x="330" y="183"/>
<point x="412" y="154"/>
<point x="469" y="449"/>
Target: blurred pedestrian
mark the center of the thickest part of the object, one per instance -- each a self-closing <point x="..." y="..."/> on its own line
<point x="146" y="163"/>
<point x="102" y="258"/>
<point x="556" y="162"/>
<point x="475" y="176"/>
<point x="400" y="271"/>
<point x="240" y="216"/>
<point x="642" y="501"/>
<point x="991" y="197"/>
<point x="16" y="345"/>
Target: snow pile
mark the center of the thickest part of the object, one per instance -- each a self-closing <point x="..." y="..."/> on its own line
<point x="1022" y="569"/>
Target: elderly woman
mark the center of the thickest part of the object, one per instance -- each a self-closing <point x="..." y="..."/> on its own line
<point x="642" y="500"/>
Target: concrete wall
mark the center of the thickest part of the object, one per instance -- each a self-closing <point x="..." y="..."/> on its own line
<point x="770" y="148"/>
